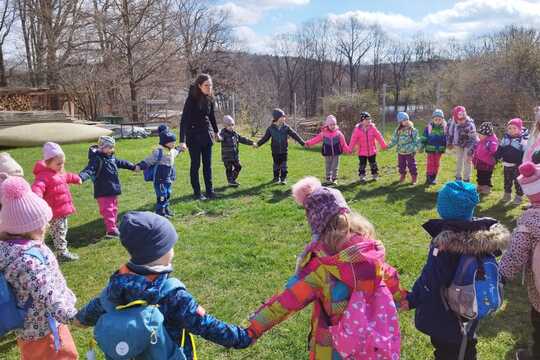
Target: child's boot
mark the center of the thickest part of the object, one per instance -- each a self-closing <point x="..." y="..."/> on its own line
<point x="506" y="197"/>
<point x="375" y="177"/>
<point x="414" y="178"/>
<point x="428" y="180"/>
<point x="401" y="178"/>
<point x="517" y="200"/>
<point x="66" y="256"/>
<point x="283" y="181"/>
<point x="362" y="178"/>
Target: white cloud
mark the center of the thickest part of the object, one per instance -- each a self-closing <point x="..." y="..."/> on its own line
<point x="251" y="40"/>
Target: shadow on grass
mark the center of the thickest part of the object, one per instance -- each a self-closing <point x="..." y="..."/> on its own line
<point x="500" y="211"/>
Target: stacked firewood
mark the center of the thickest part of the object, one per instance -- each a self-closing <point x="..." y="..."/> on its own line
<point x="15" y="102"/>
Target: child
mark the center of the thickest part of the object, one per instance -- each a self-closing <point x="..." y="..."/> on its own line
<point x="345" y="256"/>
<point x="484" y="157"/>
<point x="229" y="150"/>
<point x="9" y="167"/>
<point x="519" y="256"/>
<point x="407" y="142"/>
<point x="456" y="233"/>
<point x="434" y="143"/>
<point x="149" y="240"/>
<point x="533" y="144"/>
<point x="365" y="134"/>
<point x="511" y="150"/>
<point x="462" y="136"/>
<point x="31" y="269"/>
<point x="162" y="158"/>
<point x="52" y="184"/>
<point x="334" y="144"/>
<point x="102" y="168"/>
<point x="279" y="132"/>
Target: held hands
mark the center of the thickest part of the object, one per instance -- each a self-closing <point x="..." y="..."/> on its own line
<point x="182" y="147"/>
<point x="137" y="168"/>
<point x="255" y="146"/>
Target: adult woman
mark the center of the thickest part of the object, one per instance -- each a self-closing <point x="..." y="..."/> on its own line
<point x="198" y="129"/>
<point x="533" y="144"/>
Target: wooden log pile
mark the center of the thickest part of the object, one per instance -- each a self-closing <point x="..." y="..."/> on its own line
<point x="16" y="118"/>
<point x="15" y="102"/>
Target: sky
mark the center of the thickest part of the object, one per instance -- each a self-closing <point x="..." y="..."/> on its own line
<point x="255" y="23"/>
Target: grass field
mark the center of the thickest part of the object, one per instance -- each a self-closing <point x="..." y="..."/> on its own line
<point x="235" y="252"/>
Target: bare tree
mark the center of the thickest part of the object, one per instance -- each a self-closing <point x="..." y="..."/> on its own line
<point x="400" y="55"/>
<point x="7" y="17"/>
<point x="354" y="42"/>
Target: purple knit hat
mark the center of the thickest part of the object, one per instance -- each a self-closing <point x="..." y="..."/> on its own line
<point x="321" y="203"/>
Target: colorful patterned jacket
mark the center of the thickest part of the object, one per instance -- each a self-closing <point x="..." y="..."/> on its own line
<point x="434" y="138"/>
<point x="327" y="281"/>
<point x="406" y="140"/>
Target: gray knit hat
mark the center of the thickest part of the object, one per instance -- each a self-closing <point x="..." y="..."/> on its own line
<point x="106" y="141"/>
<point x="228" y="120"/>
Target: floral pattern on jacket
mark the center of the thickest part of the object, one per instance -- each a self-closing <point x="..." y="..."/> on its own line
<point x="406" y="140"/>
<point x="44" y="282"/>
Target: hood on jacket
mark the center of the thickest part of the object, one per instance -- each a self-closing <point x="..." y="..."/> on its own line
<point x="475" y="237"/>
<point x="365" y="255"/>
<point x="125" y="288"/>
<point x="40" y="166"/>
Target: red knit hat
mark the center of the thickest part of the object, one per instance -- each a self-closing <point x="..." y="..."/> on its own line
<point x="517" y="122"/>
<point x="530" y="181"/>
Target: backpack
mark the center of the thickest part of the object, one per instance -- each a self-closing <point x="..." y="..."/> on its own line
<point x="136" y="330"/>
<point x="11" y="315"/>
<point x="369" y="327"/>
<point x="476" y="292"/>
<point x="150" y="172"/>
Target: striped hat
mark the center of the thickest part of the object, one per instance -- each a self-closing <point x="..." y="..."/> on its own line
<point x="530" y="181"/>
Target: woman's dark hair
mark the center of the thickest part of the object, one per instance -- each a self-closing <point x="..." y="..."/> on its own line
<point x="196" y="90"/>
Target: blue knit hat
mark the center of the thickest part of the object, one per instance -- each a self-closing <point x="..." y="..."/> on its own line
<point x="438" y="113"/>
<point x="162" y="128"/>
<point x="457" y="200"/>
<point x="166" y="137"/>
<point x="402" y="116"/>
<point x="146" y="236"/>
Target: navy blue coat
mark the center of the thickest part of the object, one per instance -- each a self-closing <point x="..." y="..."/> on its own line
<point x="103" y="170"/>
<point x="280" y="137"/>
<point x="451" y="239"/>
<point x="180" y="310"/>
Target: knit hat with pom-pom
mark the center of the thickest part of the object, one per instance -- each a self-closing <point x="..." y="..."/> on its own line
<point x="321" y="203"/>
<point x="530" y="181"/>
<point x="22" y="210"/>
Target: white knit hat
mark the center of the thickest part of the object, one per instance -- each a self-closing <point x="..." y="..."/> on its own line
<point x="9" y="166"/>
<point x="22" y="210"/>
<point x="228" y="120"/>
<point x="52" y="150"/>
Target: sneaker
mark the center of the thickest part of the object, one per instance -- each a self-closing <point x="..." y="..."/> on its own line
<point x="66" y="256"/>
<point x="199" y="197"/>
<point x="506" y="197"/>
<point x="401" y="178"/>
<point x="211" y="195"/>
<point x="518" y="199"/>
<point x="283" y="181"/>
<point x="334" y="182"/>
<point x="233" y="184"/>
<point x="114" y="234"/>
<point x="523" y="354"/>
<point x="276" y="180"/>
<point x="363" y="178"/>
<point x="375" y="177"/>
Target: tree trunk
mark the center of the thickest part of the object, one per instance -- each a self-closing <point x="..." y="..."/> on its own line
<point x="3" y="82"/>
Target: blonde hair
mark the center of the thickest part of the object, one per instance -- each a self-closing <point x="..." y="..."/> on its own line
<point x="31" y="235"/>
<point x="341" y="226"/>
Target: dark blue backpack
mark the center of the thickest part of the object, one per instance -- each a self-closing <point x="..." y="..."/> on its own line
<point x="150" y="172"/>
<point x="476" y="292"/>
<point x="11" y="315"/>
<point x="136" y="330"/>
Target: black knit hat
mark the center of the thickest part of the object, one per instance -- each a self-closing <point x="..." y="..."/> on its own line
<point x="277" y="114"/>
<point x="364" y="115"/>
<point x="486" y="129"/>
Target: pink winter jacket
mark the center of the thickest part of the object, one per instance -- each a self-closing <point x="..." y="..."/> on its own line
<point x="484" y="153"/>
<point x="327" y="136"/>
<point x="53" y="188"/>
<point x="365" y="139"/>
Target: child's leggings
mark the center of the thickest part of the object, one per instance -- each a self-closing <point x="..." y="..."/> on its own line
<point x="232" y="169"/>
<point x="362" y="162"/>
<point x="163" y="194"/>
<point x="464" y="164"/>
<point x="58" y="231"/>
<point x="280" y="166"/>
<point x="511" y="174"/>
<point x="407" y="161"/>
<point x="108" y="208"/>
<point x="332" y="166"/>
<point x="433" y="163"/>
<point x="43" y="348"/>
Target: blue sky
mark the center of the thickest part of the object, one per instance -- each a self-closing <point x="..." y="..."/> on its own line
<point x="256" y="22"/>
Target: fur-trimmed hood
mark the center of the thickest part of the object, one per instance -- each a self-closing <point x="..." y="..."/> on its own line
<point x="475" y="237"/>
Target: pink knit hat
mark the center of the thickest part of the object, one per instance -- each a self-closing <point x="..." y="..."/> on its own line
<point x="517" y="122"/>
<point x="530" y="181"/>
<point x="330" y="120"/>
<point x="51" y="150"/>
<point x="22" y="210"/>
<point x="458" y="110"/>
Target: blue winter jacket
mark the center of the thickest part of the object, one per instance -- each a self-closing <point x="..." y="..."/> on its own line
<point x="180" y="310"/>
<point x="103" y="170"/>
<point x="451" y="239"/>
<point x="165" y="169"/>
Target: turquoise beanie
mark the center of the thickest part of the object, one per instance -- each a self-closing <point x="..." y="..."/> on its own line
<point x="402" y="116"/>
<point x="457" y="200"/>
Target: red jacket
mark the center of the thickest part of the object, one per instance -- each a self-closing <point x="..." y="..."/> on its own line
<point x="365" y="139"/>
<point x="53" y="188"/>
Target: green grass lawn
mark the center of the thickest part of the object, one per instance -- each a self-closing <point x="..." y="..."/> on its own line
<point x="235" y="252"/>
